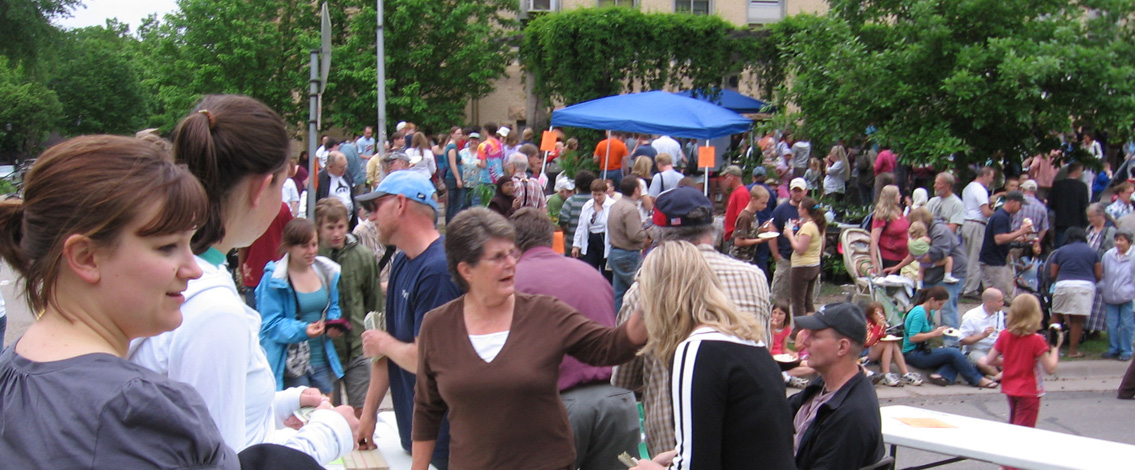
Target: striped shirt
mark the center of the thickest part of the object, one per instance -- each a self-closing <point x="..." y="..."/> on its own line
<point x="745" y="285"/>
<point x="569" y="214"/>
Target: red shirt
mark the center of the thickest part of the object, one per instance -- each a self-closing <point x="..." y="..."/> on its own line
<point x="780" y="341"/>
<point x="875" y="332"/>
<point x="737" y="202"/>
<point x="1022" y="376"/>
<point x="892" y="242"/>
<point x="264" y="249"/>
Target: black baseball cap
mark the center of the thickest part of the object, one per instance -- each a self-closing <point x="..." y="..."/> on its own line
<point x="846" y="318"/>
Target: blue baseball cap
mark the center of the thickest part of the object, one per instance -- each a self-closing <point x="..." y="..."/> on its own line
<point x="406" y="183"/>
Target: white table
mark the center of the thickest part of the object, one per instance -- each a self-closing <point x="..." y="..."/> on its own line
<point x="1001" y="443"/>
<point x="387" y="441"/>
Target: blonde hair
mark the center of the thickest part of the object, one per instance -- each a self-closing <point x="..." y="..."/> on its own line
<point x="886" y="208"/>
<point x="686" y="294"/>
<point x="917" y="230"/>
<point x="1024" y="315"/>
<point x="641" y="167"/>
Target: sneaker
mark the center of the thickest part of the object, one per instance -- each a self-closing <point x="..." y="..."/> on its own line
<point x="797" y="382"/>
<point x="892" y="380"/>
<point x="950" y="279"/>
<point x="1124" y="357"/>
<point x="874" y="377"/>
<point x="1108" y="355"/>
<point x="912" y="378"/>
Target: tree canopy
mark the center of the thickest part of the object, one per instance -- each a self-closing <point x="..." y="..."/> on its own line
<point x="976" y="78"/>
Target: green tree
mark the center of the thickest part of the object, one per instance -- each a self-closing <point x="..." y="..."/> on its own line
<point x="590" y="53"/>
<point x="98" y="83"/>
<point x="439" y="55"/>
<point x="29" y="113"/>
<point x="979" y="79"/>
<point x="26" y="29"/>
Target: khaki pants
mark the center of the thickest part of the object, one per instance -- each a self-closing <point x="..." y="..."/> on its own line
<point x="973" y="235"/>
<point x="780" y="280"/>
<point x="1000" y="277"/>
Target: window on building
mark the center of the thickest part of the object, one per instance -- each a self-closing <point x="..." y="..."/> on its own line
<point x="618" y="3"/>
<point x="766" y="11"/>
<point x="697" y="7"/>
<point x="539" y="5"/>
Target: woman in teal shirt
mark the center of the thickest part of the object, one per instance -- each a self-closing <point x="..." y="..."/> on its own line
<point x="919" y="328"/>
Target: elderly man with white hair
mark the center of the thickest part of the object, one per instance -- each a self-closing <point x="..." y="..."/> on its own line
<point x="529" y="191"/>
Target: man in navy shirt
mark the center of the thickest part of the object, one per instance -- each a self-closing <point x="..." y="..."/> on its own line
<point x="404" y="213"/>
<point x="780" y="248"/>
<point x="999" y="234"/>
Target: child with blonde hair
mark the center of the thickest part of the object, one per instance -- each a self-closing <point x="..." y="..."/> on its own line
<point x="919" y="247"/>
<point x="1022" y="353"/>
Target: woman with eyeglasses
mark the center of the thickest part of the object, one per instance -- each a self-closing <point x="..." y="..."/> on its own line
<point x="491" y="358"/>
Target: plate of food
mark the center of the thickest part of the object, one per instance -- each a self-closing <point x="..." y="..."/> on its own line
<point x="767" y="235"/>
<point x="786" y="361"/>
<point x="891" y="338"/>
<point x="953" y="332"/>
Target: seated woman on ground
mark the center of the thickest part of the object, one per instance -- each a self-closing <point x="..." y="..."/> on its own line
<point x="781" y="330"/>
<point x="920" y="329"/>
<point x="885" y="351"/>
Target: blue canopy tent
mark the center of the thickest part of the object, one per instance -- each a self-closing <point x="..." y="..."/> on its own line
<point x="728" y="99"/>
<point x="654" y="112"/>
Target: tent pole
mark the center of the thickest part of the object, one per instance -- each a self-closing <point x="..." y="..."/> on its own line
<point x="544" y="164"/>
<point x="705" y="190"/>
<point x="607" y="155"/>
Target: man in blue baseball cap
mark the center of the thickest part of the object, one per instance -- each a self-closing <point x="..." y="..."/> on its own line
<point x="404" y="213"/>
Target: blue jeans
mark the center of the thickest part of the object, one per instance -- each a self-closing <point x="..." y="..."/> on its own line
<point x="1120" y="328"/>
<point x="250" y="297"/>
<point x="3" y="328"/>
<point x="454" y="200"/>
<point x="624" y="266"/>
<point x="615" y="176"/>
<point x="320" y="377"/>
<point x="948" y="316"/>
<point x="949" y="361"/>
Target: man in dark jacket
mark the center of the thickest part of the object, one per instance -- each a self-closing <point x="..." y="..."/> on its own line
<point x="359" y="293"/>
<point x="837" y="419"/>
<point x="1069" y="199"/>
<point x="336" y="181"/>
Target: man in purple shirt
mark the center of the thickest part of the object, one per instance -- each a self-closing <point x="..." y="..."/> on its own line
<point x="603" y="417"/>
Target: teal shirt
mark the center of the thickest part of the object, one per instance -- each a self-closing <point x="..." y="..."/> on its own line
<point x="916" y="322"/>
<point x="311" y="310"/>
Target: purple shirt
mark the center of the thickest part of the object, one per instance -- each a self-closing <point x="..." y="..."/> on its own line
<point x="578" y="284"/>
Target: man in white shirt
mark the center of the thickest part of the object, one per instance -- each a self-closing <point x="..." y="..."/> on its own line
<point x="977" y="211"/>
<point x="980" y="327"/>
<point x="664" y="144"/>
<point x="945" y="205"/>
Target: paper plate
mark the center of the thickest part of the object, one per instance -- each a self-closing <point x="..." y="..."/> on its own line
<point x="767" y="235"/>
<point x="953" y="332"/>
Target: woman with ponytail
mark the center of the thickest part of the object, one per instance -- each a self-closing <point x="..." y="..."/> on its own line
<point x="237" y="147"/>
<point x="919" y="330"/>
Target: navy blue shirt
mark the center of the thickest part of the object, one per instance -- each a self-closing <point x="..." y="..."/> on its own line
<point x="993" y="254"/>
<point x="416" y="286"/>
<point x="1077" y="262"/>
<point x="780" y="216"/>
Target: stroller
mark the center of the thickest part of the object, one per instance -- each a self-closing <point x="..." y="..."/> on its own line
<point x="1032" y="277"/>
<point x="856" y="247"/>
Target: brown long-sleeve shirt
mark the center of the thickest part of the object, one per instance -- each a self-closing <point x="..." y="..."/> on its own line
<point x="624" y="226"/>
<point x="507" y="414"/>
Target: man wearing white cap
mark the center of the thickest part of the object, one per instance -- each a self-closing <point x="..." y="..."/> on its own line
<point x="781" y="249"/>
<point x="565" y="187"/>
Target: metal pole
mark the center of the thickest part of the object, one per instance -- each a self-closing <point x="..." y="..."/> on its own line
<point x="312" y="132"/>
<point x="705" y="174"/>
<point x="380" y="79"/>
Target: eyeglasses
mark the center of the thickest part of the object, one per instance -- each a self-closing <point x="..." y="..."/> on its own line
<point x="501" y="257"/>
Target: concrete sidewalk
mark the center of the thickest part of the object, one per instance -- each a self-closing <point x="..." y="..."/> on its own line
<point x="1071" y="376"/>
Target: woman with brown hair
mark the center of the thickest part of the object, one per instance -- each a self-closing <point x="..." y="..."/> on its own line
<point x="490" y="358"/>
<point x="806" y="235"/>
<point x="421" y="157"/>
<point x="919" y="329"/>
<point x="102" y="242"/>
<point x="237" y="147"/>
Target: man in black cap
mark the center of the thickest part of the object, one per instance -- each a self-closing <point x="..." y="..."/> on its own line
<point x="836" y="416"/>
<point x="685" y="214"/>
<point x="999" y="234"/>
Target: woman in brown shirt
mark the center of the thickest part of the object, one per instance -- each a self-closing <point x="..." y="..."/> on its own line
<point x="491" y="358"/>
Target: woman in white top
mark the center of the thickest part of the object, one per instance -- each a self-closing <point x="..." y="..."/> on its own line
<point x="421" y="157"/>
<point x="835" y="181"/>
<point x="237" y="147"/>
<point x="590" y="241"/>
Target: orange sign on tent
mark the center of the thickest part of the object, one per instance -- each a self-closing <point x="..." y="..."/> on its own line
<point x="548" y="142"/>
<point x="707" y="157"/>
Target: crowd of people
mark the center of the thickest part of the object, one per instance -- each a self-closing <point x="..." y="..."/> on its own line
<point x="523" y="336"/>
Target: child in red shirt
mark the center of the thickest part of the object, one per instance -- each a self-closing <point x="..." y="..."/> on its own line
<point x="1022" y="352"/>
<point x="781" y="330"/>
<point x="886" y="351"/>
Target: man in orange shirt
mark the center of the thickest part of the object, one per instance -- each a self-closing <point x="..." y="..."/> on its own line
<point x="609" y="154"/>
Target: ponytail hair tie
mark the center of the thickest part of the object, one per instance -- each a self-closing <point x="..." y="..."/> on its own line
<point x="816" y="207"/>
<point x="212" y="120"/>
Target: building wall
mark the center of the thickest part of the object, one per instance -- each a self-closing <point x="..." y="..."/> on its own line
<point x="509" y="101"/>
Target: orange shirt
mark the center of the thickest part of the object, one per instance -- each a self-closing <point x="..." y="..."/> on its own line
<point x="615" y="158"/>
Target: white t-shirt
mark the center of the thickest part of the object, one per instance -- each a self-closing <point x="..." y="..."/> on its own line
<point x="835" y="181"/>
<point x="342" y="190"/>
<point x="424" y="164"/>
<point x="974" y="196"/>
<point x="669" y="146"/>
<point x="290" y="195"/>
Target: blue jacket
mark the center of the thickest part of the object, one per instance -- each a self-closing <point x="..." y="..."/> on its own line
<point x="276" y="301"/>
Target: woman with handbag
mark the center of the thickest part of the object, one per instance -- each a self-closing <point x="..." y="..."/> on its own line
<point x="916" y="349"/>
<point x="296" y="296"/>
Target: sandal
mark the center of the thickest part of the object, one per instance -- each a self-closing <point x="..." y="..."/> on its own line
<point x="939" y="380"/>
<point x="991" y="384"/>
<point x="1075" y="355"/>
